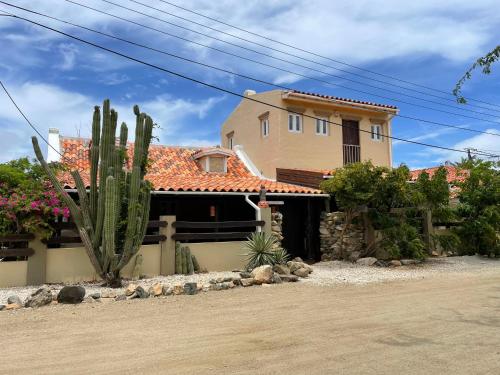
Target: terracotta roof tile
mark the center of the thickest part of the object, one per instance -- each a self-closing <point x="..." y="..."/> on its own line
<point x="354" y="101"/>
<point x="454" y="174"/>
<point x="174" y="169"/>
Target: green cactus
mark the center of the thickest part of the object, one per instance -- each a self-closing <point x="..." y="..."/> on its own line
<point x="112" y="218"/>
<point x="196" y="265"/>
<point x="178" y="259"/>
<point x="189" y="259"/>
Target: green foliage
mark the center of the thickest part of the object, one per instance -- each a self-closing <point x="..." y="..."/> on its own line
<point x="479" y="208"/>
<point x="28" y="202"/>
<point x="383" y="191"/>
<point x="112" y="219"/>
<point x="485" y="62"/>
<point x="263" y="249"/>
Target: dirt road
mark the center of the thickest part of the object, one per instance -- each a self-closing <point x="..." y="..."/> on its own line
<point x="448" y="325"/>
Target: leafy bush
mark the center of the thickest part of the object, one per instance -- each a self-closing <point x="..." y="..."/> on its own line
<point x="28" y="204"/>
<point x="479" y="208"/>
<point x="263" y="249"/>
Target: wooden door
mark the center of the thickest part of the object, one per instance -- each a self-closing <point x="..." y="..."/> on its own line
<point x="350" y="132"/>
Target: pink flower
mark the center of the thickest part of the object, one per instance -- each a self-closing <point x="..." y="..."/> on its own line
<point x="55" y="210"/>
<point x="35" y="204"/>
<point x="66" y="212"/>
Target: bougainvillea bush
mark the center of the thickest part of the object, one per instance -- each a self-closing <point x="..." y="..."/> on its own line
<point x="28" y="203"/>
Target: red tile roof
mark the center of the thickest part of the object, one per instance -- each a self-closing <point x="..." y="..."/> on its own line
<point x="174" y="169"/>
<point x="345" y="99"/>
<point x="453" y="173"/>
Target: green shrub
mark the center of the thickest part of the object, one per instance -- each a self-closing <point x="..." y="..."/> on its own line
<point x="263" y="249"/>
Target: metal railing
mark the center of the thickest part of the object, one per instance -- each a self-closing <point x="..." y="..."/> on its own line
<point x="352" y="154"/>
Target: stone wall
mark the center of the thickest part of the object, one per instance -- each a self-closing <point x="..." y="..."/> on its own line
<point x="330" y="229"/>
<point x="276" y="225"/>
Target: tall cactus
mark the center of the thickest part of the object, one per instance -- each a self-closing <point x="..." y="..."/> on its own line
<point x="112" y="218"/>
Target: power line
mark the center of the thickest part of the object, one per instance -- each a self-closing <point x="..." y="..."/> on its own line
<point x="26" y="118"/>
<point x="312" y="61"/>
<point x="303" y="66"/>
<point x="217" y="68"/>
<point x="171" y="72"/>
<point x="328" y="58"/>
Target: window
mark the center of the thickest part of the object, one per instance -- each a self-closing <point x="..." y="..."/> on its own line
<point x="230" y="141"/>
<point x="322" y="126"/>
<point x="295" y="122"/>
<point x="264" y="127"/>
<point x="376" y="133"/>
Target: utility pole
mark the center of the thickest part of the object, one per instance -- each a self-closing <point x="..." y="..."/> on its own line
<point x="469" y="155"/>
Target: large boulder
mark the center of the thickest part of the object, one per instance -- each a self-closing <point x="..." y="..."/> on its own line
<point x="369" y="261"/>
<point x="130" y="289"/>
<point x="190" y="288"/>
<point x="295" y="265"/>
<point x="41" y="297"/>
<point x="301" y="272"/>
<point x="247" y="282"/>
<point x="156" y="290"/>
<point x="263" y="274"/>
<point x="71" y="294"/>
<point x="395" y="263"/>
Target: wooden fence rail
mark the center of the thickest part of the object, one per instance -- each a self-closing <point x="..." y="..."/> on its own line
<point x="215" y="235"/>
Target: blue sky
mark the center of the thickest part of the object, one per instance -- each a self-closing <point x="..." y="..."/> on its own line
<point x="58" y="81"/>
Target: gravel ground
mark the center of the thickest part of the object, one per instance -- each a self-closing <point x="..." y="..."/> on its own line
<point x="203" y="278"/>
<point x="337" y="272"/>
<point x="324" y="274"/>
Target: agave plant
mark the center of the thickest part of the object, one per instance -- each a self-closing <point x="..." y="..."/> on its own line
<point x="263" y="249"/>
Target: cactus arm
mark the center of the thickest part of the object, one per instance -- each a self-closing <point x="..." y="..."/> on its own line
<point x="84" y="203"/>
<point x="94" y="163"/>
<point x="108" y="243"/>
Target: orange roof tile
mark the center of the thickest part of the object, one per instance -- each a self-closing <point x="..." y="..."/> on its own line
<point x="174" y="169"/>
<point x="453" y="173"/>
<point x="353" y="101"/>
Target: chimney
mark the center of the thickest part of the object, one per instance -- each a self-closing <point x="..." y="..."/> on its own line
<point x="249" y="92"/>
<point x="54" y="147"/>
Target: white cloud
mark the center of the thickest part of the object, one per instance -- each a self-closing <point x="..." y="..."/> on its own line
<point x="50" y="106"/>
<point x="68" y="52"/>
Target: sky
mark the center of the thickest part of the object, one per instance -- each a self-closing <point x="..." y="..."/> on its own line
<point x="57" y="80"/>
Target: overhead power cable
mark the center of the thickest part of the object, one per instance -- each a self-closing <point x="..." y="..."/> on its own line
<point x="220" y="69"/>
<point x="456" y="106"/>
<point x="176" y="74"/>
<point x="290" y="62"/>
<point x="328" y="58"/>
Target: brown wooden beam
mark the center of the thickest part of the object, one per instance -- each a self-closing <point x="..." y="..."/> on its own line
<point x="25" y="252"/>
<point x="218" y="224"/>
<point x="17" y="237"/>
<point x="211" y="236"/>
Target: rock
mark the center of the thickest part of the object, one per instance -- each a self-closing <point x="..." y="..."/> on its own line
<point x="89" y="299"/>
<point x="281" y="269"/>
<point x="190" y="288"/>
<point x="41" y="297"/>
<point x="108" y="294"/>
<point x="220" y="280"/>
<point x="2" y="307"/>
<point x="237" y="282"/>
<point x="71" y="294"/>
<point x="179" y="289"/>
<point x="369" y="261"/>
<point x="216" y="287"/>
<point x="226" y="285"/>
<point x="12" y="306"/>
<point x="130" y="289"/>
<point x="394" y="263"/>
<point x="141" y="292"/>
<point x="227" y="279"/>
<point x="435" y="253"/>
<point x="293" y="265"/>
<point x="156" y="290"/>
<point x="245" y="275"/>
<point x="324" y="231"/>
<point x="276" y="279"/>
<point x="121" y="297"/>
<point x="381" y="263"/>
<point x="95" y="295"/>
<point x="249" y="281"/>
<point x="289" y="278"/>
<point x="263" y="274"/>
<point x="14" y="299"/>
<point x="301" y="272"/>
<point x="167" y="290"/>
<point x="212" y="281"/>
<point x="298" y="259"/>
<point x="354" y="256"/>
<point x="407" y="262"/>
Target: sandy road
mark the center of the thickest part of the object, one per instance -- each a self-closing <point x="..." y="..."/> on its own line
<point x="443" y="325"/>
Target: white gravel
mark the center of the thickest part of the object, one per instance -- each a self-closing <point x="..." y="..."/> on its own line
<point x="337" y="272"/>
<point x="90" y="288"/>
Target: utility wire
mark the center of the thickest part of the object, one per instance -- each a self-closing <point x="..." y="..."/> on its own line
<point x="290" y="62"/>
<point x="305" y="66"/>
<point x="327" y="58"/>
<point x="217" y="68"/>
<point x="171" y="72"/>
<point x="26" y="118"/>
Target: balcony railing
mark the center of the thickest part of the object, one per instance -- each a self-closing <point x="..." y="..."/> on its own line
<point x="351" y="154"/>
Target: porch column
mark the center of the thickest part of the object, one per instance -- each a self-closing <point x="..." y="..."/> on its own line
<point x="37" y="263"/>
<point x="167" y="259"/>
<point x="266" y="216"/>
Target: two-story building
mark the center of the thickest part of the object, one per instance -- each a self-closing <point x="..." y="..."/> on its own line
<point x="318" y="132"/>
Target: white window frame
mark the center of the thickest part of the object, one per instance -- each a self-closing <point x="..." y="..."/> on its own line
<point x="295" y="123"/>
<point x="376" y="132"/>
<point x="264" y="127"/>
<point x="322" y="124"/>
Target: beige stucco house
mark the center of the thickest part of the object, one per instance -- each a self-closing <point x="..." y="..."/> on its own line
<point x="317" y="133"/>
